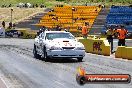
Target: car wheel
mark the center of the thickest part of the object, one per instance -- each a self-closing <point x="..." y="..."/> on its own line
<point x="80" y="59"/>
<point x="35" y="53"/>
<point x="45" y="54"/>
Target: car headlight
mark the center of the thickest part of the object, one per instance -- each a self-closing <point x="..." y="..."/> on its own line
<point x="55" y="48"/>
<point x="80" y="48"/>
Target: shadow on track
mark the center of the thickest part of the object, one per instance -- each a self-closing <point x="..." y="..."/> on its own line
<point x="62" y="60"/>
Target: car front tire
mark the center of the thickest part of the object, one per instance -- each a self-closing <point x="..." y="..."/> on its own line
<point x="80" y="59"/>
<point x="45" y="57"/>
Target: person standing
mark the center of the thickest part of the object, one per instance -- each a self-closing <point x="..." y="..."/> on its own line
<point x="122" y="32"/>
<point x="3" y="24"/>
<point x="110" y="34"/>
<point x="10" y="25"/>
<point x="85" y="30"/>
<point x="58" y="28"/>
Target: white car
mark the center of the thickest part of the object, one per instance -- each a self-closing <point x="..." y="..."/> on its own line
<point x="58" y="44"/>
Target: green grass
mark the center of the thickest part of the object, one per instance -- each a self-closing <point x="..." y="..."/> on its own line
<point x="51" y="3"/>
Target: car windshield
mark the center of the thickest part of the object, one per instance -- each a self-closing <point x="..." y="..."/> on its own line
<point x="51" y="36"/>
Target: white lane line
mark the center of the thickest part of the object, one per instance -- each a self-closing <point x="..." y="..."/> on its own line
<point x="60" y="83"/>
<point x="4" y="82"/>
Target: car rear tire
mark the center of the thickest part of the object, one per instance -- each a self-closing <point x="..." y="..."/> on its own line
<point x="80" y="59"/>
<point x="35" y="53"/>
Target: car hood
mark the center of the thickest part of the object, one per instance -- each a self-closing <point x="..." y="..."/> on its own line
<point x="64" y="42"/>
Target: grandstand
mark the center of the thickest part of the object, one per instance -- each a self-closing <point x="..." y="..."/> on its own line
<point x="119" y="15"/>
<point x="70" y="16"/>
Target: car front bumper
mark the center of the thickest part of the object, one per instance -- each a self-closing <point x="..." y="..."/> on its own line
<point x="66" y="53"/>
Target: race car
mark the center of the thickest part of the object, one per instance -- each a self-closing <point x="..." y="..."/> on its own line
<point x="58" y="44"/>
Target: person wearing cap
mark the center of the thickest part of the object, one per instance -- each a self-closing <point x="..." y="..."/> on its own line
<point x="110" y="34"/>
<point x="122" y="32"/>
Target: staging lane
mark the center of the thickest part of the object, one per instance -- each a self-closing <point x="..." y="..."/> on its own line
<point x="29" y="72"/>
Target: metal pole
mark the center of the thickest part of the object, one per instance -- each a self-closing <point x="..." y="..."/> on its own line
<point x="72" y="17"/>
<point x="11" y="15"/>
<point x="72" y="14"/>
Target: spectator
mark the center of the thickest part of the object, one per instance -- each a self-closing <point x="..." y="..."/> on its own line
<point x="26" y="6"/>
<point x="10" y="25"/>
<point x="14" y="25"/>
<point x="58" y="28"/>
<point x="52" y="10"/>
<point x="74" y="9"/>
<point x="76" y="19"/>
<point x="85" y="30"/>
<point x="36" y="5"/>
<point x="122" y="32"/>
<point x="56" y="18"/>
<point x="100" y="6"/>
<point x="9" y="5"/>
<point x="41" y="6"/>
<point x="3" y="24"/>
<point x="110" y="33"/>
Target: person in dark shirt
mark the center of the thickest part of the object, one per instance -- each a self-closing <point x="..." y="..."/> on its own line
<point x="110" y="34"/>
<point x="3" y="24"/>
<point x="10" y="25"/>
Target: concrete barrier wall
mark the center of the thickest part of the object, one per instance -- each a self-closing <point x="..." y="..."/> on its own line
<point x="124" y="52"/>
<point x="27" y="34"/>
<point x="96" y="46"/>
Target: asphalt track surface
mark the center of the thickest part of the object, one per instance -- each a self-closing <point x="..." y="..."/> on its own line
<point x="19" y="69"/>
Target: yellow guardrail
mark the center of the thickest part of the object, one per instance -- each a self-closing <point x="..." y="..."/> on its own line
<point x="124" y="52"/>
<point x="96" y="46"/>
